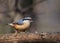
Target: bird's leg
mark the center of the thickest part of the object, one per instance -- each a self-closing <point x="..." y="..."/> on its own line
<point x="15" y="34"/>
<point x="27" y="31"/>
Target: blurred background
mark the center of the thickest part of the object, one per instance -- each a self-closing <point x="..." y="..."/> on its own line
<point x="45" y="14"/>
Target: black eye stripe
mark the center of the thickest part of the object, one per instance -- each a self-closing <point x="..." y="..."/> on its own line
<point x="26" y="19"/>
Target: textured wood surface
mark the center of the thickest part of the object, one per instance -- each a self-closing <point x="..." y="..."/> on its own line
<point x="29" y="37"/>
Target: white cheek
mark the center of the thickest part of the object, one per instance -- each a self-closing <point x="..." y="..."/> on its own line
<point x="26" y="21"/>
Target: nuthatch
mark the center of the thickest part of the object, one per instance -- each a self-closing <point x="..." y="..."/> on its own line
<point x="22" y="24"/>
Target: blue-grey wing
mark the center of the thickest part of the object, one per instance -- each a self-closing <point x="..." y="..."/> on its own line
<point x="20" y="21"/>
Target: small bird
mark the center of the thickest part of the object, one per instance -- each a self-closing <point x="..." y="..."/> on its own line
<point x="22" y="24"/>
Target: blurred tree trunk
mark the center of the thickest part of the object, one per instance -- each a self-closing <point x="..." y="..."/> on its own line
<point x="48" y="15"/>
<point x="3" y="16"/>
<point x="13" y="5"/>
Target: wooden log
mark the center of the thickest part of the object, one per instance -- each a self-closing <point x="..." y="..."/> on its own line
<point x="29" y="37"/>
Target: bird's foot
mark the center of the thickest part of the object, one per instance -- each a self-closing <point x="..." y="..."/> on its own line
<point x="14" y="34"/>
<point x="22" y="32"/>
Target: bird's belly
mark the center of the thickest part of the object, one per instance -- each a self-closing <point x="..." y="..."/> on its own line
<point x="22" y="27"/>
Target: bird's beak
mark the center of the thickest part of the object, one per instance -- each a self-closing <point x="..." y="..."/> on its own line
<point x="31" y="20"/>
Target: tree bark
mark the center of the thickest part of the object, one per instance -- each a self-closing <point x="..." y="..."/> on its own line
<point x="29" y="37"/>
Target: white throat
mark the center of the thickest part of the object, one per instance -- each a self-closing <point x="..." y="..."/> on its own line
<point x="26" y="21"/>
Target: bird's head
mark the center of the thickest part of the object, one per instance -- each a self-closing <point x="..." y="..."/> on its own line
<point x="27" y="18"/>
